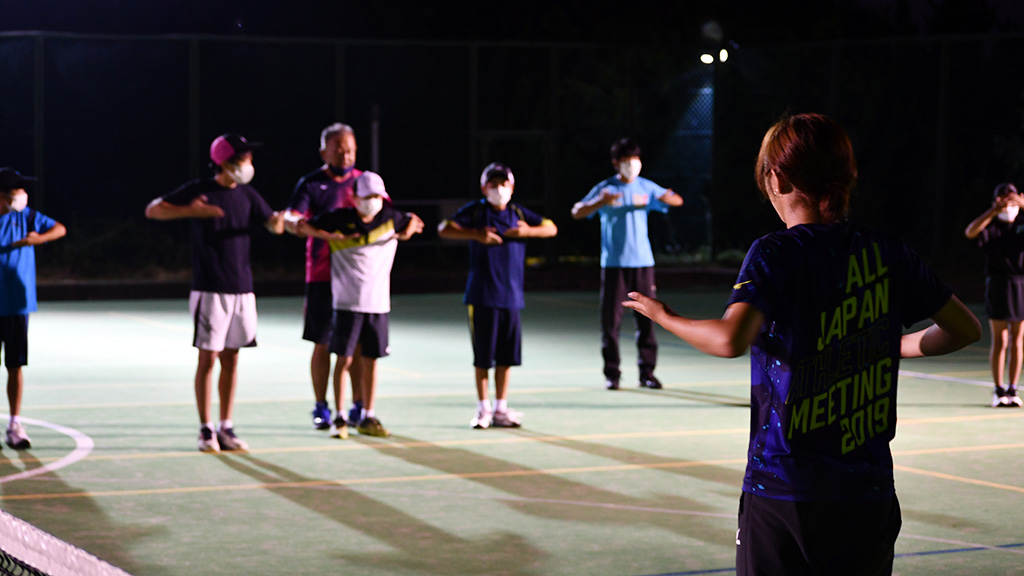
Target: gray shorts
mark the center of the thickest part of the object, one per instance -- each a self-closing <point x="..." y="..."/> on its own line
<point x="223" y="321"/>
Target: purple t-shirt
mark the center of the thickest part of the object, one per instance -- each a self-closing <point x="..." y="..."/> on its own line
<point x="316" y="194"/>
<point x="824" y="365"/>
<point x="220" y="246"/>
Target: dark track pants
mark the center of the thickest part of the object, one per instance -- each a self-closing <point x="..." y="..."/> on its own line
<point x="615" y="284"/>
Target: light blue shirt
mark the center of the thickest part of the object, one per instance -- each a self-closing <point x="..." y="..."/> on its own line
<point x="18" y="265"/>
<point x="624" y="240"/>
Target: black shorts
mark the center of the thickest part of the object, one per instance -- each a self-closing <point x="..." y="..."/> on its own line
<point x="497" y="336"/>
<point x="835" y="538"/>
<point x="1004" y="298"/>
<point x="318" y="313"/>
<point x="354" y="328"/>
<point x="14" y="340"/>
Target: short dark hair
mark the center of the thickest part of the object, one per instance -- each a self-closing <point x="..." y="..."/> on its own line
<point x="625" y="148"/>
<point x="814" y="153"/>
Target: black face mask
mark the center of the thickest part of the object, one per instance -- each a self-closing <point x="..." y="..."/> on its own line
<point x="339" y="171"/>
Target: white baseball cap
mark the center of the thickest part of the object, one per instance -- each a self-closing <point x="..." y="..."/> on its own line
<point x="370" y="183"/>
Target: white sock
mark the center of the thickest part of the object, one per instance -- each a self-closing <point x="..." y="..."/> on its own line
<point x="207" y="425"/>
<point x="501" y="405"/>
<point x="484" y="405"/>
<point x="369" y="414"/>
<point x="226" y="425"/>
<point x="14" y="420"/>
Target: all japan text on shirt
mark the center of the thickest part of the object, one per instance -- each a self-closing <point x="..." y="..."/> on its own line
<point x="850" y="380"/>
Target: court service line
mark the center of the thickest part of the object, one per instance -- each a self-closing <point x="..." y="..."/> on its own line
<point x="969" y="545"/>
<point x="962" y="479"/>
<point x="350" y="446"/>
<point x="524" y="499"/>
<point x="955" y="449"/>
<point x="150" y="322"/>
<point x="289" y="400"/>
<point x="83" y="446"/>
<point x="383" y="480"/>
<point x="926" y="376"/>
<point x="999" y="415"/>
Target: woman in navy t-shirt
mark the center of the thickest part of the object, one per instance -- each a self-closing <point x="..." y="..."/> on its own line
<point x="820" y="305"/>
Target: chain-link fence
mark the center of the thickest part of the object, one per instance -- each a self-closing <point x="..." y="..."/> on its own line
<point x="109" y="123"/>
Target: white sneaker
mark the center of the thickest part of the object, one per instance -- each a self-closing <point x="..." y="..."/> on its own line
<point x="208" y="440"/>
<point x="228" y="440"/>
<point x="482" y="420"/>
<point x="1013" y="400"/>
<point x="17" y="438"/>
<point x="507" y="419"/>
<point x="1000" y="398"/>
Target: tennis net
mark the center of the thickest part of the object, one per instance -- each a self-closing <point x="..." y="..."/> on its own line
<point x="28" y="551"/>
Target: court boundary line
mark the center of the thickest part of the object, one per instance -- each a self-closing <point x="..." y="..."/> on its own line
<point x="954" y="478"/>
<point x="83" y="446"/>
<point x="385" y="445"/>
<point x="344" y="482"/>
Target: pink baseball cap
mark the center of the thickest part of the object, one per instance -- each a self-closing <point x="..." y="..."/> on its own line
<point x="370" y="183"/>
<point x="227" y="145"/>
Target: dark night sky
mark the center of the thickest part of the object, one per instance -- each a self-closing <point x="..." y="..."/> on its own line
<point x="640" y="21"/>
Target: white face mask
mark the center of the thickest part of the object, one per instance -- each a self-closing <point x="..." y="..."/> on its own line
<point x="19" y="202"/>
<point x="629" y="170"/>
<point x="369" y="206"/>
<point x="499" y="197"/>
<point x="242" y="174"/>
<point x="1009" y="214"/>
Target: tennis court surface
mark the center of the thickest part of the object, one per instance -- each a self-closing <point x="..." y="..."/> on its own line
<point x="627" y="483"/>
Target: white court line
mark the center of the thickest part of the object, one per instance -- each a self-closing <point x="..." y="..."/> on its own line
<point x="926" y="376"/>
<point x="83" y="446"/>
<point x="513" y="498"/>
<point x="963" y="544"/>
<point x="149" y="321"/>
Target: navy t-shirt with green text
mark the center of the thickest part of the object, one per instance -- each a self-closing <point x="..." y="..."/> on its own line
<point x="824" y="365"/>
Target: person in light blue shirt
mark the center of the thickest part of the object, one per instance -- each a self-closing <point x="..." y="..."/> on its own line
<point x="21" y="229"/>
<point x="627" y="261"/>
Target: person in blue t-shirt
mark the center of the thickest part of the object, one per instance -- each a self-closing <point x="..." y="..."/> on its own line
<point x="21" y="229"/>
<point x="496" y="228"/>
<point x="223" y="212"/>
<point x="821" y="305"/>
<point x="1000" y="234"/>
<point x="627" y="261"/>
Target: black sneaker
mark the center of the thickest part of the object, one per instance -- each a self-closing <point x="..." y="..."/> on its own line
<point x="611" y="383"/>
<point x="339" y="427"/>
<point x="650" y="382"/>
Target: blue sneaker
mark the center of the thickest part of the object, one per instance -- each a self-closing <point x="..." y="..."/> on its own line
<point x="355" y="414"/>
<point x="321" y="416"/>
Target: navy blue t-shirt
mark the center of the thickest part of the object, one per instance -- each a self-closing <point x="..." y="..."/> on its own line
<point x="220" y="246"/>
<point x="824" y="365"/>
<point x="495" y="271"/>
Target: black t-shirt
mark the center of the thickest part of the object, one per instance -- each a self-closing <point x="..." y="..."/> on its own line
<point x="1003" y="244"/>
<point x="220" y="246"/>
